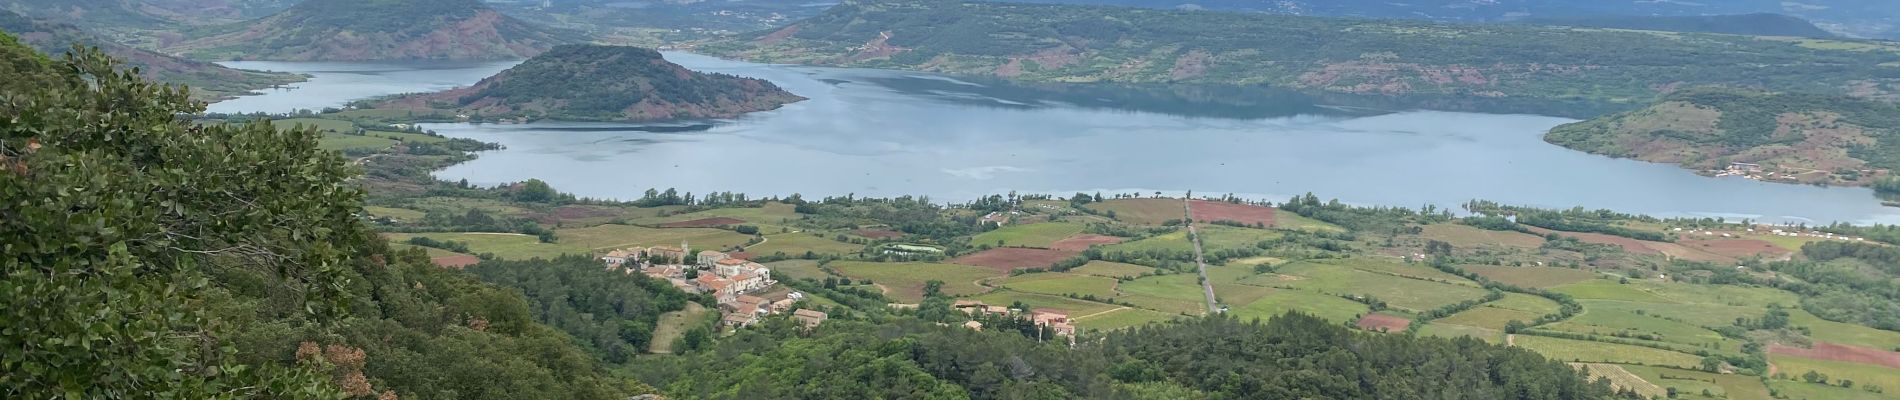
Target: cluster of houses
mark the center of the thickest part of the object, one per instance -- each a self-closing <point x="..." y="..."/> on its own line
<point x="732" y="282"/>
<point x="1056" y="321"/>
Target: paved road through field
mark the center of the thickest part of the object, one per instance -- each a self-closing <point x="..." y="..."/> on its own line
<point x="1207" y="287"/>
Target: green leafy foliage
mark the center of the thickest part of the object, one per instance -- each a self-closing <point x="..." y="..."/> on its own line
<point x="150" y="257"/>
<point x="611" y="313"/>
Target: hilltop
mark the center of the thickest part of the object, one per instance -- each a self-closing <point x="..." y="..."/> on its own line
<point x="209" y="81"/>
<point x="1760" y="24"/>
<point x="1067" y="43"/>
<point x="594" y="82"/>
<point x="346" y="30"/>
<point x="1800" y="138"/>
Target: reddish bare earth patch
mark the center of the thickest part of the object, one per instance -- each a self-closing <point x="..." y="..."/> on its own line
<point x="1006" y="259"/>
<point x="455" y="261"/>
<point x="1383" y="323"/>
<point x="704" y="223"/>
<point x="1211" y="211"/>
<point x="1629" y="245"/>
<point x="1082" y="242"/>
<point x="1840" y="352"/>
<point x="1737" y="248"/>
<point x="878" y="233"/>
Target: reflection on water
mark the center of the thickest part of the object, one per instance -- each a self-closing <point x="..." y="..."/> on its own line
<point x="887" y="133"/>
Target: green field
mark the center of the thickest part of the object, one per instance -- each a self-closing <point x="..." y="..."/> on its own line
<point x="1525" y="302"/>
<point x="1586" y="351"/>
<point x="611" y="236"/>
<point x="796" y="244"/>
<point x="905" y="281"/>
<point x="431" y="251"/>
<point x="338" y="141"/>
<point x="510" y="246"/>
<point x="797" y="269"/>
<point x="1402" y="269"/>
<point x="1607" y="320"/>
<point x="1836" y="332"/>
<point x="1060" y="284"/>
<point x="1605" y="289"/>
<point x="1287" y="220"/>
<point x="1073" y="307"/>
<point x="1121" y="318"/>
<point x="1398" y="292"/>
<point x="1213" y="237"/>
<point x="1794" y="390"/>
<point x="1861" y="374"/>
<point x="1488" y="317"/>
<point x="1531" y="277"/>
<point x="457" y="206"/>
<point x="1111" y="269"/>
<point x="1280" y="301"/>
<point x="1028" y="235"/>
<point x="1759" y="297"/>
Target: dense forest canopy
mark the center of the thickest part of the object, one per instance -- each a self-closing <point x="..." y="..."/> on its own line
<point x="149" y="256"/>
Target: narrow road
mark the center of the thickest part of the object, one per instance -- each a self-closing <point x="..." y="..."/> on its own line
<point x="1207" y="287"/>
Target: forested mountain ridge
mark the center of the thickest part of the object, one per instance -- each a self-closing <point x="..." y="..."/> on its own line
<point x="1761" y="24"/>
<point x="1090" y="43"/>
<point x="346" y="30"/>
<point x="1801" y="138"/>
<point x="1860" y="18"/>
<point x="593" y="82"/>
<point x="209" y="81"/>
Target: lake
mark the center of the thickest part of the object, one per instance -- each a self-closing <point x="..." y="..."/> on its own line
<point x="888" y="133"/>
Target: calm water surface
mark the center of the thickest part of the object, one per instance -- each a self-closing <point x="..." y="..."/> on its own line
<point x="886" y="133"/>
<point x="332" y="84"/>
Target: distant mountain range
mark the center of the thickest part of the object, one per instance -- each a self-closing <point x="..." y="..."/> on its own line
<point x="208" y="81"/>
<point x="1787" y="137"/>
<point x="1071" y="43"/>
<point x="350" y="30"/>
<point x="600" y="83"/>
<point x="1862" y="18"/>
<point x="1739" y="24"/>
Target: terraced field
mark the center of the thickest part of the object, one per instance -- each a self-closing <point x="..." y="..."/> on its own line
<point x="797" y="244"/>
<point x="1280" y="301"/>
<point x="1111" y="269"/>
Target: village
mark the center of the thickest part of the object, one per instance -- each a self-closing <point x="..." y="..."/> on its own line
<point x="745" y="290"/>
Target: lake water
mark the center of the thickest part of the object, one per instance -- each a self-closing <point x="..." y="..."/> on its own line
<point x="888" y="133"/>
<point x="332" y="84"/>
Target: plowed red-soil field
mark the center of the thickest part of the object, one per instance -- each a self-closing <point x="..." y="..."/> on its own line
<point x="1390" y="323"/>
<point x="1082" y="242"/>
<point x="704" y="223"/>
<point x="1210" y="211"/>
<point x="1005" y="259"/>
<point x="1840" y="352"/>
